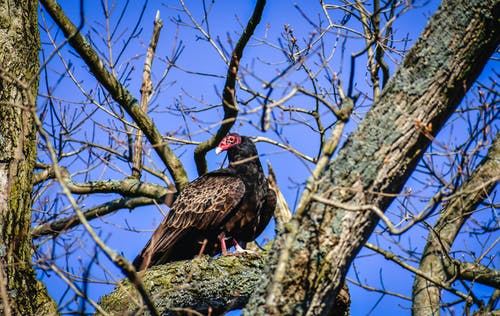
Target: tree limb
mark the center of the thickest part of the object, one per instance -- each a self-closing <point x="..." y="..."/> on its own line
<point x="146" y="90"/>
<point x="127" y="187"/>
<point x="59" y="226"/>
<point x="221" y="284"/>
<point x="204" y="285"/>
<point x="442" y="284"/>
<point x="118" y="92"/>
<point x="229" y="102"/>
<point x="473" y="272"/>
<point x="282" y="213"/>
<point x="435" y="259"/>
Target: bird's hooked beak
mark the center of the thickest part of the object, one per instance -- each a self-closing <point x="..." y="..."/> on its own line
<point x="228" y="142"/>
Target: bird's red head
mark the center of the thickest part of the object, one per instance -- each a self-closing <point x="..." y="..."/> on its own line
<point x="227" y="142"/>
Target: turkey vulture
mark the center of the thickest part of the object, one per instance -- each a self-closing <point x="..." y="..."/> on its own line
<point x="234" y="203"/>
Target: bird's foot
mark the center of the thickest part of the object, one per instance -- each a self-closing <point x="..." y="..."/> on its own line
<point x="239" y="251"/>
<point x="244" y="252"/>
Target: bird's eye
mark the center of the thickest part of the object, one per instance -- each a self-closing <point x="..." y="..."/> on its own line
<point x="230" y="140"/>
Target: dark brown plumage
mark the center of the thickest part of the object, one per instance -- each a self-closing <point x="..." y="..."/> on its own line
<point x="233" y="203"/>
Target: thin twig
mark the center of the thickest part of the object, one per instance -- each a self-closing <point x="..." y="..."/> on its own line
<point x="75" y="289"/>
<point x="390" y="256"/>
<point x="286" y="147"/>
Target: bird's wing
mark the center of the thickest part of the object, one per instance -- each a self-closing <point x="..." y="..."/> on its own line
<point x="206" y="202"/>
<point x="203" y="204"/>
<point x="266" y="212"/>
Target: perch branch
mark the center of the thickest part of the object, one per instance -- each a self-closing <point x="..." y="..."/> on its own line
<point x="201" y="286"/>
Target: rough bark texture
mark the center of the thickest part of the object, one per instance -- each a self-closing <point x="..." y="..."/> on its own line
<point x="435" y="259"/>
<point x="210" y="286"/>
<point x="220" y="284"/>
<point x="309" y="262"/>
<point x="19" y="45"/>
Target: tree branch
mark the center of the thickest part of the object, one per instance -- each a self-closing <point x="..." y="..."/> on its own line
<point x="146" y="90"/>
<point x="435" y="259"/>
<point x="229" y="103"/>
<point x="127" y="187"/>
<point x="118" y="92"/>
<point x="59" y="226"/>
<point x="442" y="284"/>
<point x="282" y="213"/>
<point x="204" y="285"/>
<point x="473" y="272"/>
<point x="219" y="284"/>
<point x="135" y="192"/>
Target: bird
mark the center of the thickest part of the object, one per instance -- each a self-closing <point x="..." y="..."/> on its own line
<point x="230" y="204"/>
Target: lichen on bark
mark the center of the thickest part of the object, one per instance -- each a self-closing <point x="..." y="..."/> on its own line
<point x="19" y="70"/>
<point x="204" y="283"/>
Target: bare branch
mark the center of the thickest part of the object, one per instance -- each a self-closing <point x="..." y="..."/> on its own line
<point x="59" y="226"/>
<point x="282" y="213"/>
<point x="390" y="256"/>
<point x="229" y="103"/>
<point x="126" y="187"/>
<point x="289" y="148"/>
<point x="146" y="90"/>
<point x="473" y="272"/>
<point x="119" y="93"/>
<point x="426" y="296"/>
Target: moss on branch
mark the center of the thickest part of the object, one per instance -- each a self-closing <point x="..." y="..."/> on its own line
<point x="219" y="284"/>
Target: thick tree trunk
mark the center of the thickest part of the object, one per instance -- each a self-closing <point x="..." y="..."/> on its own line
<point x="309" y="262"/>
<point x="21" y="293"/>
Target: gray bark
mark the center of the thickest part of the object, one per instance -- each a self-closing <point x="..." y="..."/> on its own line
<point x="309" y="262"/>
<point x="205" y="285"/>
<point x="20" y="291"/>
